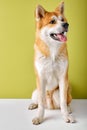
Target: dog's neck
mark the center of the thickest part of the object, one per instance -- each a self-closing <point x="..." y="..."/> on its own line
<point x="42" y="47"/>
<point x="50" y="50"/>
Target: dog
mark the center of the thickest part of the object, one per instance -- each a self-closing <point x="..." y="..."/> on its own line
<point x="51" y="64"/>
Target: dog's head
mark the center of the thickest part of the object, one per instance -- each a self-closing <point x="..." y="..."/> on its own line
<point x="51" y="27"/>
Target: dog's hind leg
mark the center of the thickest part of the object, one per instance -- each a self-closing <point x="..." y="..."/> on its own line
<point x="34" y="103"/>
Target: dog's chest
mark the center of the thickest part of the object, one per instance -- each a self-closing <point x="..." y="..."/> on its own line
<point x="50" y="68"/>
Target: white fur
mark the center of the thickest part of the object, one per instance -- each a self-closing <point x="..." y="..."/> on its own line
<point x="56" y="99"/>
<point x="37" y="19"/>
<point x="51" y="67"/>
<point x="35" y="97"/>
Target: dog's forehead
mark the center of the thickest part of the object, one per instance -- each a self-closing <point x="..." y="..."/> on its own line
<point x="56" y="17"/>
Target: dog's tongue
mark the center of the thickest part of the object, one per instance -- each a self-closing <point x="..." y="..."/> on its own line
<point x="62" y="37"/>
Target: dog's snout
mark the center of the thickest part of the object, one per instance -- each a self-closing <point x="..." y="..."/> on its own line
<point x="65" y="25"/>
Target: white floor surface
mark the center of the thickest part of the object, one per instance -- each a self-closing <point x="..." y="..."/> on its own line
<point x="14" y="115"/>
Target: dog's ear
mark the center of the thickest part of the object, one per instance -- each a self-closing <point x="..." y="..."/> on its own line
<point x="60" y="8"/>
<point x="39" y="13"/>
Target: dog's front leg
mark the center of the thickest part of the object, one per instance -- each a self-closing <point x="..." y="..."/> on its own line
<point x="63" y="86"/>
<point x="41" y="99"/>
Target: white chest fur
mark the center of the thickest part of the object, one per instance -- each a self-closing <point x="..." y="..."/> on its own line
<point x="51" y="68"/>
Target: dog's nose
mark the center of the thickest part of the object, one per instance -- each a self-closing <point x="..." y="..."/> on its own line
<point x="65" y="25"/>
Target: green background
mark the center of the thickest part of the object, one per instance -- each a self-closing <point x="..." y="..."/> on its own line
<point x="17" y="34"/>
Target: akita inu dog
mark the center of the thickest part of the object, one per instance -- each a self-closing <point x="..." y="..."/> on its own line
<point x="51" y="63"/>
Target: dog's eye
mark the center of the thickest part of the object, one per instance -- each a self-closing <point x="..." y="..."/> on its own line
<point x="53" y="21"/>
<point x="62" y="19"/>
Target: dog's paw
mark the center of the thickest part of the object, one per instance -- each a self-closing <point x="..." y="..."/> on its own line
<point x="36" y="121"/>
<point x="32" y="106"/>
<point x="69" y="119"/>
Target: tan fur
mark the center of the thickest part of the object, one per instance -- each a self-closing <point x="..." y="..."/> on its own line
<point x="42" y="47"/>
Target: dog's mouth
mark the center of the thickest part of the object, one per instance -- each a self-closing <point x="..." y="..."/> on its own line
<point x="59" y="37"/>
